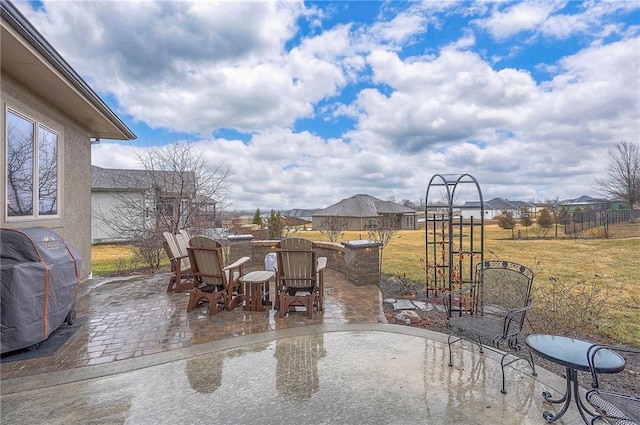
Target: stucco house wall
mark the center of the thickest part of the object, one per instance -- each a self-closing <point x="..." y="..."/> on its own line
<point x="37" y="83"/>
<point x="74" y="184"/>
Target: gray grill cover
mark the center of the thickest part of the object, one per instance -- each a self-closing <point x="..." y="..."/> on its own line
<point x="40" y="276"/>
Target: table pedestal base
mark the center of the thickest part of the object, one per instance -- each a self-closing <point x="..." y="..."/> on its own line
<point x="572" y="389"/>
<point x="256" y="290"/>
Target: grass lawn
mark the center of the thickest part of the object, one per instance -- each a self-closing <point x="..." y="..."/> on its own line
<point x="605" y="269"/>
<point x="608" y="268"/>
<point x="110" y="259"/>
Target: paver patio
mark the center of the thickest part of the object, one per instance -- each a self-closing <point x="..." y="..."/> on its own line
<point x="141" y="358"/>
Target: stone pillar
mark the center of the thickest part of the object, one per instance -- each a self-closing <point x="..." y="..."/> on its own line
<point x="362" y="262"/>
<point x="239" y="246"/>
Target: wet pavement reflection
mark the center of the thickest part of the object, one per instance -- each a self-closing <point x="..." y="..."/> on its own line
<point x="140" y="358"/>
<point x="312" y="375"/>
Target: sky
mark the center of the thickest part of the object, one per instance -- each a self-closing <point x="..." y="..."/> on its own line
<point x="309" y="103"/>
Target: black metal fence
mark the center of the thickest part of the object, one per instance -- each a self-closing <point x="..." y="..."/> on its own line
<point x="579" y="221"/>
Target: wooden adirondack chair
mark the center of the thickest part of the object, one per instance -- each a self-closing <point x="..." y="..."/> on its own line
<point x="218" y="285"/>
<point x="181" y="270"/>
<point x="297" y="276"/>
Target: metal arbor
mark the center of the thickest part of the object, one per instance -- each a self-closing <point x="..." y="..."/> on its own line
<point x="454" y="234"/>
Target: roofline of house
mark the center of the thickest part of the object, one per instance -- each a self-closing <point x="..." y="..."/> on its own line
<point x="18" y="22"/>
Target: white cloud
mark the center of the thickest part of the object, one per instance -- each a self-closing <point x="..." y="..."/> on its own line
<point x="196" y="67"/>
<point x="420" y="92"/>
<point x="522" y="16"/>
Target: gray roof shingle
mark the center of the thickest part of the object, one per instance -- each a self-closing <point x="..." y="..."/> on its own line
<point x="112" y="179"/>
<point x="363" y="206"/>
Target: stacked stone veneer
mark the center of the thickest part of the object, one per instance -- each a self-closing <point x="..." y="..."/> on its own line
<point x="357" y="260"/>
<point x="362" y="262"/>
<point x="239" y="246"/>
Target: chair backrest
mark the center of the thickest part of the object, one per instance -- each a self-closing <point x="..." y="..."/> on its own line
<point x="185" y="235"/>
<point x="206" y="256"/>
<point x="504" y="286"/>
<point x="296" y="259"/>
<point x="182" y="247"/>
<point x="179" y="256"/>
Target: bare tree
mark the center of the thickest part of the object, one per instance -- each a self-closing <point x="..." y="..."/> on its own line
<point x="191" y="184"/>
<point x="175" y="189"/>
<point x="387" y="226"/>
<point x="555" y="213"/>
<point x="21" y="157"/>
<point x="622" y="181"/>
<point x="416" y="205"/>
<point x="19" y="171"/>
<point x="525" y="219"/>
<point x="333" y="227"/>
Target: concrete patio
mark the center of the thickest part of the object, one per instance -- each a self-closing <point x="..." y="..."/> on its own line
<point x="140" y="358"/>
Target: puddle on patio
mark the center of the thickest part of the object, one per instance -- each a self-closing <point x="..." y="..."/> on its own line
<point x="333" y="377"/>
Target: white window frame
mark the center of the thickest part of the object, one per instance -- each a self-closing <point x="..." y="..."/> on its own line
<point x="38" y="124"/>
<point x="410" y="221"/>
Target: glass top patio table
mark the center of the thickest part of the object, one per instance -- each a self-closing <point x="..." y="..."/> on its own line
<point x="572" y="354"/>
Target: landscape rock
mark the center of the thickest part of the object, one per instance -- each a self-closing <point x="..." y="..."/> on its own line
<point x="407" y="317"/>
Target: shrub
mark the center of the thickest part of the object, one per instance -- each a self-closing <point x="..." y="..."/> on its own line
<point x="566" y="308"/>
<point x="595" y="233"/>
<point x="122" y="265"/>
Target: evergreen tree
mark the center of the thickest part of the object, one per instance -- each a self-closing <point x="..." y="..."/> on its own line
<point x="506" y="221"/>
<point x="544" y="219"/>
<point x="275" y="225"/>
<point x="544" y="222"/>
<point x="257" y="217"/>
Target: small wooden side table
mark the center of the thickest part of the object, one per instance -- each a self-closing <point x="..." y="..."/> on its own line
<point x="256" y="289"/>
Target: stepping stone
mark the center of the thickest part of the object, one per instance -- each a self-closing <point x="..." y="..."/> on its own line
<point x="440" y="308"/>
<point x="390" y="300"/>
<point x="403" y="305"/>
<point x="423" y="306"/>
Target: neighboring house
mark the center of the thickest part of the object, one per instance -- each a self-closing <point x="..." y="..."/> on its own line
<point x="293" y="223"/>
<point x="584" y="203"/>
<point x="494" y="207"/>
<point x="305" y="215"/>
<point x="50" y="116"/>
<point x="363" y="212"/>
<point x="144" y="198"/>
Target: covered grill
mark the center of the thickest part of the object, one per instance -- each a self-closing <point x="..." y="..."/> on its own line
<point x="40" y="274"/>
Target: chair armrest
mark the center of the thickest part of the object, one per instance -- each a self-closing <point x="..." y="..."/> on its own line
<point x="177" y="259"/>
<point x="238" y="263"/>
<point x="511" y="314"/>
<point x="594" y="349"/>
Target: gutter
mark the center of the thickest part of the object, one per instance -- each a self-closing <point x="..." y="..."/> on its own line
<point x="18" y="22"/>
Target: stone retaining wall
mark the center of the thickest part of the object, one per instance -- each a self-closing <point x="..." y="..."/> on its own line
<point x="357" y="260"/>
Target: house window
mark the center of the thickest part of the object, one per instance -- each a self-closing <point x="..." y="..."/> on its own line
<point x="409" y="221"/>
<point x="32" y="168"/>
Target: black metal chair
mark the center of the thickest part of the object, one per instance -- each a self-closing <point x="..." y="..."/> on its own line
<point x="615" y="407"/>
<point x="491" y="311"/>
